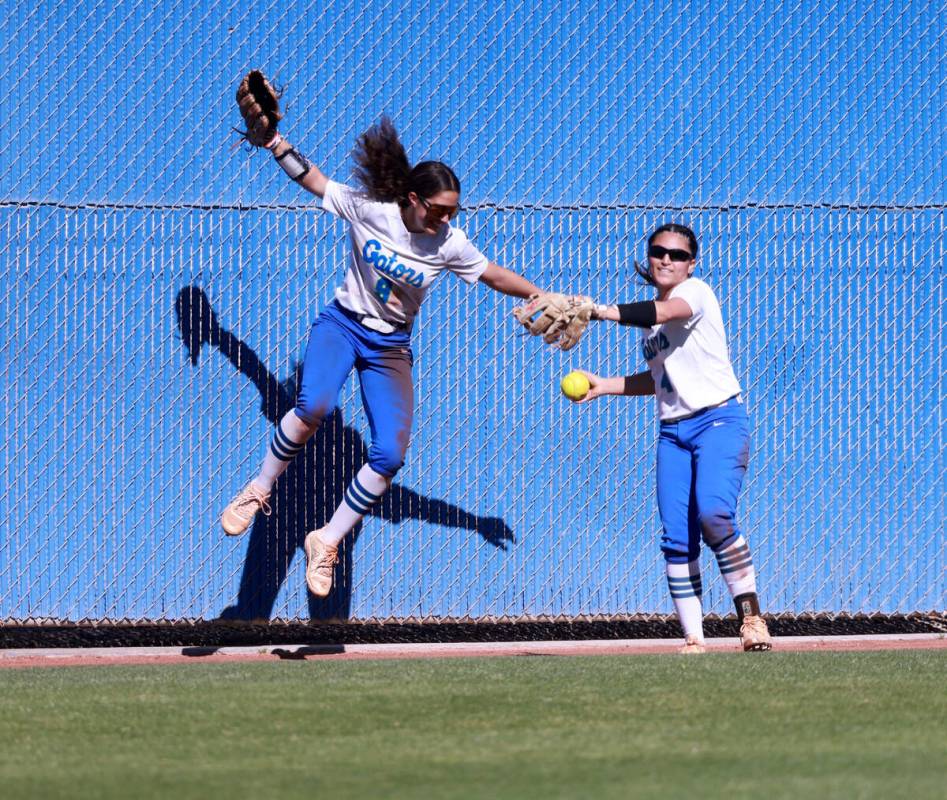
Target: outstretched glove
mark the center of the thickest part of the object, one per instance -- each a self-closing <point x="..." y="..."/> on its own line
<point x="560" y="319"/>
<point x="259" y="107"/>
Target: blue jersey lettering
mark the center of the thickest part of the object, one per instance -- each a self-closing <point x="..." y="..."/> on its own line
<point x="654" y="345"/>
<point x="389" y="264"/>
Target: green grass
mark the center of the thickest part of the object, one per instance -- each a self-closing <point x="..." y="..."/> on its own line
<point x="773" y="725"/>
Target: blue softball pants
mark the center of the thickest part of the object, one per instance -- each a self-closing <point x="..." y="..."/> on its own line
<point x="339" y="343"/>
<point x="701" y="463"/>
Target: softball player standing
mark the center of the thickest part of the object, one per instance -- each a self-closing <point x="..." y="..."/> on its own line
<point x="703" y="443"/>
<point x="400" y="241"/>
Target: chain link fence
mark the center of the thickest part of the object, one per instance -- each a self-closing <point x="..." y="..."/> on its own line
<point x="161" y="283"/>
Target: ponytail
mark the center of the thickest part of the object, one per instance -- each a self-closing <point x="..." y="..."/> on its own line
<point x="384" y="172"/>
<point x="382" y="165"/>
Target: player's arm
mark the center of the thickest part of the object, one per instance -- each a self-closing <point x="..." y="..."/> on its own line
<point x="505" y="281"/>
<point x="646" y="313"/>
<point x="297" y="166"/>
<point x="638" y="385"/>
<point x="258" y="102"/>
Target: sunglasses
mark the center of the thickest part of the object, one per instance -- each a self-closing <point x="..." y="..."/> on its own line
<point x="438" y="211"/>
<point x="658" y="252"/>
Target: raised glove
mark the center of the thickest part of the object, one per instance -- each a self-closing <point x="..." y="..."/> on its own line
<point x="259" y="107"/>
<point x="560" y="319"/>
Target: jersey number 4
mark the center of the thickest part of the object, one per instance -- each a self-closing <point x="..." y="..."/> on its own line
<point x="665" y="382"/>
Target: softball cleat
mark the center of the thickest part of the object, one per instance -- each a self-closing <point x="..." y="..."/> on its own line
<point x="321" y="559"/>
<point x="692" y="646"/>
<point x="243" y="508"/>
<point x="754" y="634"/>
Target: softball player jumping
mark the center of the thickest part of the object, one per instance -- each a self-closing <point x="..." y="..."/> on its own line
<point x="400" y="241"/>
<point x="703" y="444"/>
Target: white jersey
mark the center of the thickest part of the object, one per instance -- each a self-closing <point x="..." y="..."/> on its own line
<point x="688" y="358"/>
<point x="391" y="269"/>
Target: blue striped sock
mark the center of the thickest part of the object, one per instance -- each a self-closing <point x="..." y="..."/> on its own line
<point x="284" y="448"/>
<point x="686" y="591"/>
<point x="366" y="489"/>
<point x="359" y="499"/>
<point x="736" y="566"/>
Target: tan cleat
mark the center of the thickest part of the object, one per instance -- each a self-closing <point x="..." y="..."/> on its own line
<point x="321" y="559"/>
<point x="754" y="634"/>
<point x="692" y="646"/>
<point x="242" y="509"/>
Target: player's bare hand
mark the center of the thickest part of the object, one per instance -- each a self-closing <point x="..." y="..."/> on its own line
<point x="596" y="386"/>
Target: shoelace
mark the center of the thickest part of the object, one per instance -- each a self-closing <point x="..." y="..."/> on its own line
<point x="328" y="561"/>
<point x="251" y="495"/>
<point x="753" y="626"/>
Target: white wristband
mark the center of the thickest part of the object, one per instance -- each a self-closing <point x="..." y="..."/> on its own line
<point x="272" y="143"/>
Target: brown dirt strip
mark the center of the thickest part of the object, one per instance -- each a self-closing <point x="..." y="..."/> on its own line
<point x="223" y="655"/>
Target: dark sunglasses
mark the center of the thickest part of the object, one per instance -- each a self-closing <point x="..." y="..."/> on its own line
<point x="438" y="211"/>
<point x="658" y="252"/>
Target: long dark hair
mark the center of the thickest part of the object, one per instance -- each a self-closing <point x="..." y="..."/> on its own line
<point x="669" y="227"/>
<point x="383" y="170"/>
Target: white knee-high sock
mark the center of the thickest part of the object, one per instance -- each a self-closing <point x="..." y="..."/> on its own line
<point x="363" y="492"/>
<point x="736" y="567"/>
<point x="686" y="591"/>
<point x="288" y="440"/>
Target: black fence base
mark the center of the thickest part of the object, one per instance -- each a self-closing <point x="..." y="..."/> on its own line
<point x="229" y="633"/>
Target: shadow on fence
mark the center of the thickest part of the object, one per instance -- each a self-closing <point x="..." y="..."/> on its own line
<point x="312" y="486"/>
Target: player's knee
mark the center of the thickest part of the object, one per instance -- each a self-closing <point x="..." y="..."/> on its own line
<point x="312" y="410"/>
<point x="385" y="464"/>
<point x="718" y="528"/>
<point x="674" y="554"/>
<point x="386" y="456"/>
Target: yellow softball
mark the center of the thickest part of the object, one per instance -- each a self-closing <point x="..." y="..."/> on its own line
<point x="575" y="386"/>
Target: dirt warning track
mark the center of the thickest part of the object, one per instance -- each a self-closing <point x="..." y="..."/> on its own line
<point x="113" y="656"/>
